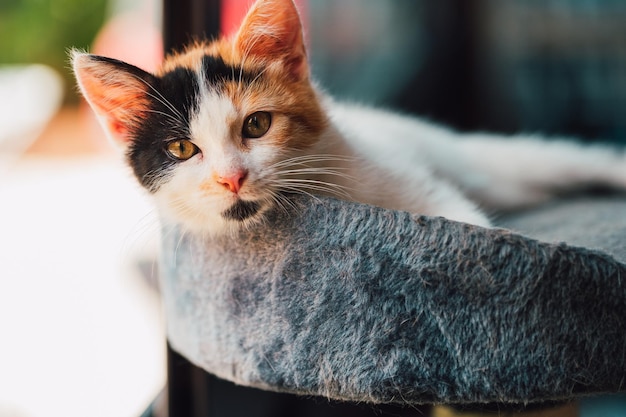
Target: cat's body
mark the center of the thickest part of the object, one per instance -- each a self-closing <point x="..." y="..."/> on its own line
<point x="227" y="129"/>
<point x="424" y="168"/>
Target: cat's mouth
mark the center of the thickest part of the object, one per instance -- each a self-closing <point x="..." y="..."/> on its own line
<point x="242" y="210"/>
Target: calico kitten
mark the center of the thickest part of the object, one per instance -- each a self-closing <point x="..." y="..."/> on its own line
<point x="226" y="129"/>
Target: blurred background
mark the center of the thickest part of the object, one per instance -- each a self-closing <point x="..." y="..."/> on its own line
<point x="556" y="66"/>
<point x="80" y="325"/>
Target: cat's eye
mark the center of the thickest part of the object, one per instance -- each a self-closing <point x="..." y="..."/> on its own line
<point x="256" y="125"/>
<point x="181" y="149"/>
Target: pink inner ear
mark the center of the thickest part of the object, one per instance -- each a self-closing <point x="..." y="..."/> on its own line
<point x="233" y="13"/>
<point x="118" y="129"/>
<point x="120" y="107"/>
<point x="272" y="30"/>
<point x="298" y="67"/>
<point x="116" y="96"/>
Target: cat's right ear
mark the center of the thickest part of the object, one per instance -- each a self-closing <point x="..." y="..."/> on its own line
<point x="117" y="92"/>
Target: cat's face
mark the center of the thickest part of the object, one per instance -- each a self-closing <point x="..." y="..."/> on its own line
<point x="211" y="134"/>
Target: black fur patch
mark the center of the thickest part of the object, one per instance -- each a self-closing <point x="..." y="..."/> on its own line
<point x="173" y="101"/>
<point x="216" y="72"/>
<point x="242" y="210"/>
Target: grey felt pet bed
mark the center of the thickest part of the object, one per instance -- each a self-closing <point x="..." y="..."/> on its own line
<point x="360" y="303"/>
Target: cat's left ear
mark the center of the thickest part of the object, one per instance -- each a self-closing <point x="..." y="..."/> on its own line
<point x="117" y="92"/>
<point x="272" y="31"/>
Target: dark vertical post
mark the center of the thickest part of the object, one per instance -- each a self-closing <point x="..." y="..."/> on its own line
<point x="464" y="21"/>
<point x="179" y="389"/>
<point x="184" y="20"/>
<point x="444" y="88"/>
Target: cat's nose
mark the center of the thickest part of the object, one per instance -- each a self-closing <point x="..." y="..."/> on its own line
<point x="233" y="182"/>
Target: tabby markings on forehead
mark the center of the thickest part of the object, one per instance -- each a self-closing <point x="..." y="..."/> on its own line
<point x="216" y="72"/>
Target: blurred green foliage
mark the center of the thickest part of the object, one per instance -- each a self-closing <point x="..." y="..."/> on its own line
<point x="41" y="31"/>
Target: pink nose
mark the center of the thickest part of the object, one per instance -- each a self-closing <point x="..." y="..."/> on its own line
<point x="233" y="182"/>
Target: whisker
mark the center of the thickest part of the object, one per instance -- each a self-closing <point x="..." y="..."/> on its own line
<point x="183" y="232"/>
<point x="169" y="116"/>
<point x="160" y="98"/>
<point x="305" y="159"/>
<point x="285" y="201"/>
<point x="302" y="166"/>
<point x="334" y="189"/>
<point x="299" y="190"/>
<point x="141" y="236"/>
<point x="310" y="181"/>
<point x="169" y="106"/>
<point x="317" y="171"/>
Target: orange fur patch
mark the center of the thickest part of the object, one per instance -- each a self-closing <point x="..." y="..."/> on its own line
<point x="270" y="41"/>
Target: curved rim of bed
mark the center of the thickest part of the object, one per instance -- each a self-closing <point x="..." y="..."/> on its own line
<point x="359" y="303"/>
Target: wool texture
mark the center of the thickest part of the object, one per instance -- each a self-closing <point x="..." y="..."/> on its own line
<point x="359" y="303"/>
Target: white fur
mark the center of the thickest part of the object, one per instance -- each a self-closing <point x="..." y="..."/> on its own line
<point x="412" y="165"/>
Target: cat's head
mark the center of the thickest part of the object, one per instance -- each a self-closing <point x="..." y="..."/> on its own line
<point x="209" y="134"/>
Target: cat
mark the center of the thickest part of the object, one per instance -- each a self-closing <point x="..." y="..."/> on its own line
<point x="227" y="129"/>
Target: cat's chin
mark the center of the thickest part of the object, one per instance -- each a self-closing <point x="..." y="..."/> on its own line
<point x="241" y="215"/>
<point x="242" y="210"/>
